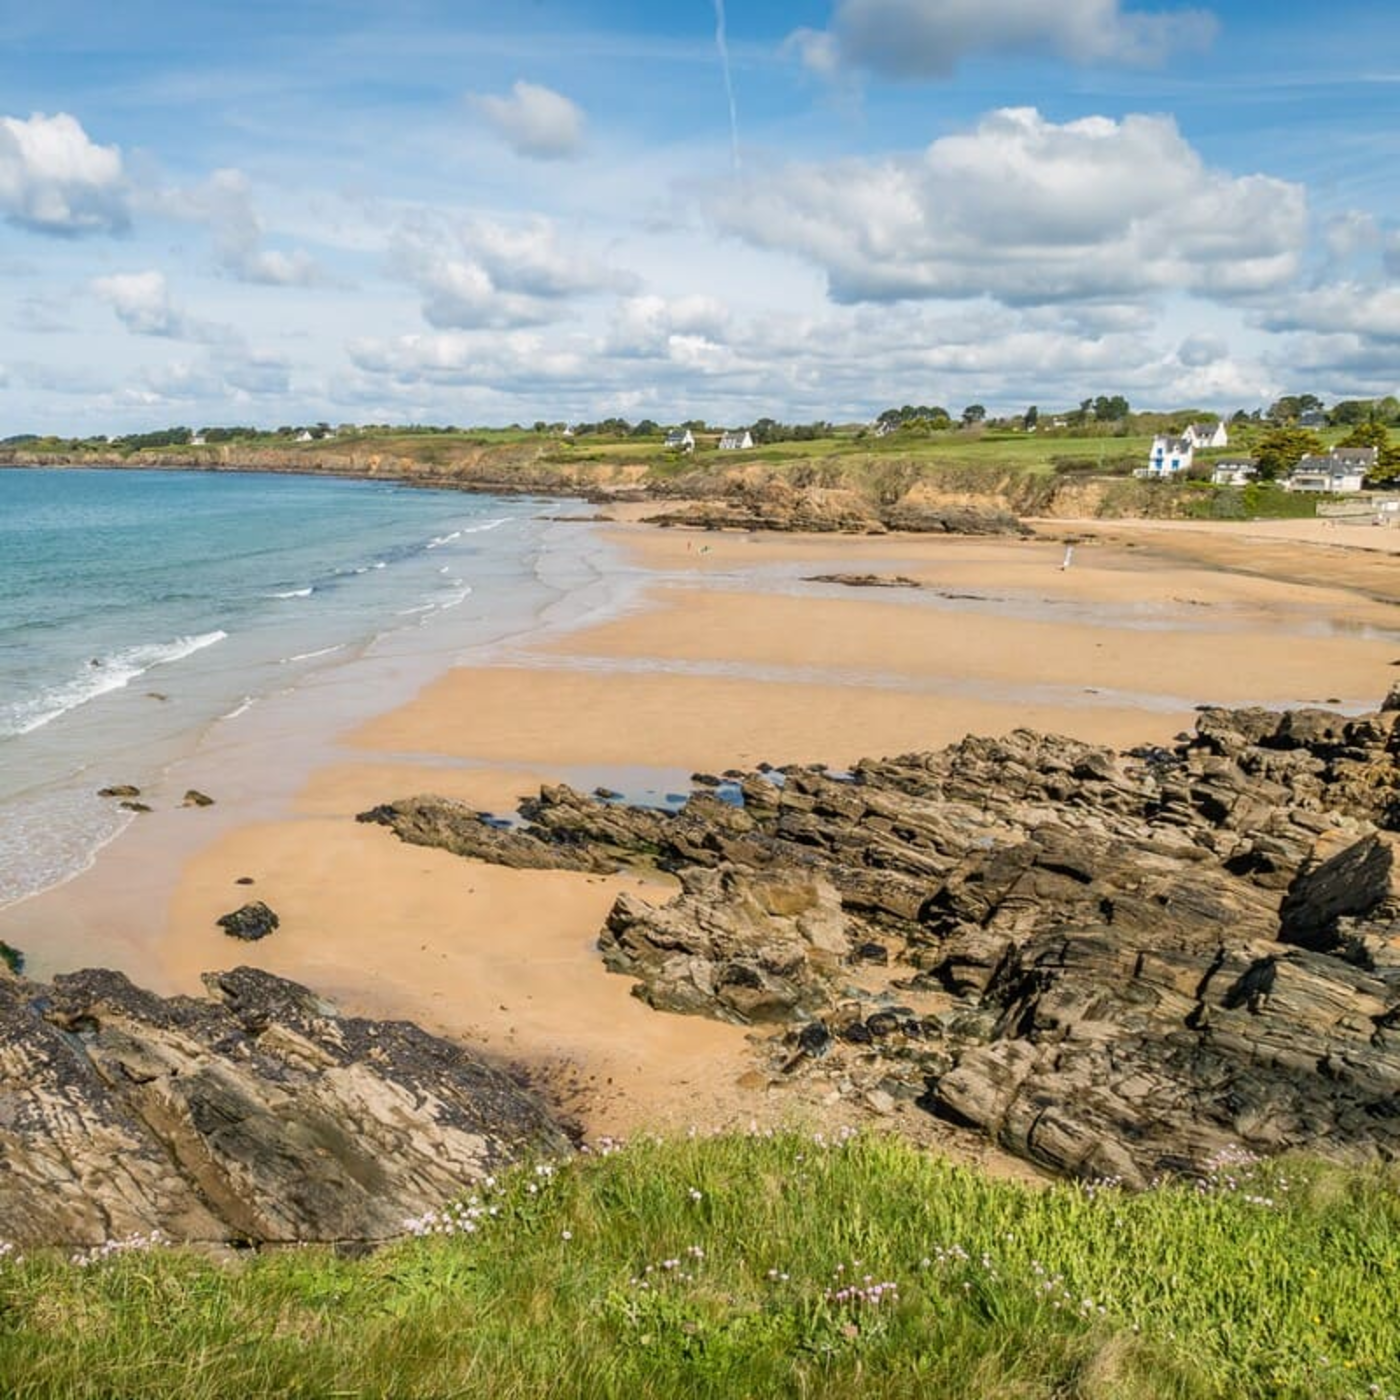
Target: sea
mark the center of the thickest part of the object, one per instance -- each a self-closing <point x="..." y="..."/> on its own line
<point x="146" y="614"/>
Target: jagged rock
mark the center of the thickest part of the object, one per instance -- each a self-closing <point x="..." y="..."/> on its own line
<point x="195" y="798"/>
<point x="952" y="520"/>
<point x="456" y="827"/>
<point x="133" y="806"/>
<point x="259" y="1115"/>
<point x="250" y="923"/>
<point x="866" y="580"/>
<point x="747" y="947"/>
<point x="119" y="790"/>
<point x="1121" y="963"/>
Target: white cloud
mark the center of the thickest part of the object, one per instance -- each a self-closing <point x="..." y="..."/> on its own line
<point x="536" y="122"/>
<point x="224" y="203"/>
<point x="54" y="179"/>
<point x="913" y="39"/>
<point x="143" y="304"/>
<point x="483" y="274"/>
<point x="1350" y="308"/>
<point x="1029" y="211"/>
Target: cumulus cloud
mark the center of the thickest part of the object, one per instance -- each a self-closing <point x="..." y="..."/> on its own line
<point x="224" y="203"/>
<point x="484" y="274"/>
<point x="914" y="39"/>
<point x="535" y="122"/>
<point x="54" y="179"/>
<point x="143" y="304"/>
<point x="1351" y="308"/>
<point x="1029" y="211"/>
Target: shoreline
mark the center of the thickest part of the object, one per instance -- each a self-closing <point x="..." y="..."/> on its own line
<point x="506" y="959"/>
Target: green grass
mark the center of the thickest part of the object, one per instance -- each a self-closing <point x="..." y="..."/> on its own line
<point x="1277" y="1281"/>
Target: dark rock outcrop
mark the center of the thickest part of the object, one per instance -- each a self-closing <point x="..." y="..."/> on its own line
<point x="777" y="504"/>
<point x="250" y="923"/>
<point x="1115" y="964"/>
<point x="259" y="1115"/>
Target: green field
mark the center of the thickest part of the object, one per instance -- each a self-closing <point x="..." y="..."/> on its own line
<point x="764" y="1266"/>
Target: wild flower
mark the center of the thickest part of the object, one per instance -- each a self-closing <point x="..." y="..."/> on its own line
<point x="110" y="1249"/>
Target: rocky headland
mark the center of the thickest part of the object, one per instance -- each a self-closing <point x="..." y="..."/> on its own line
<point x="1113" y="964"/>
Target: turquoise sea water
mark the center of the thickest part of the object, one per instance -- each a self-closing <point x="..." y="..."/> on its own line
<point x="139" y="610"/>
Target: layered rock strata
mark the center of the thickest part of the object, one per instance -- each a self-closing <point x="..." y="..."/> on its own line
<point x="1115" y="964"/>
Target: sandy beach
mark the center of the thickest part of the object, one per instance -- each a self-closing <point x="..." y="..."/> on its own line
<point x="730" y="658"/>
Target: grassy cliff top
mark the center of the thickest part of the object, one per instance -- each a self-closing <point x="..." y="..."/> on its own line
<point x="759" y="1265"/>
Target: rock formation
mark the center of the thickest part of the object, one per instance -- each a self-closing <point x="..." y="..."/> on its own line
<point x="776" y="504"/>
<point x="258" y="1115"/>
<point x="1114" y="964"/>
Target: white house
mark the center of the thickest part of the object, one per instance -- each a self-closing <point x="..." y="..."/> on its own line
<point x="1234" y="471"/>
<point x="197" y="440"/>
<point x="1203" y="435"/>
<point x="1341" y="471"/>
<point x="306" y="435"/>
<point x="885" y="427"/>
<point x="738" y="441"/>
<point x="1170" y="457"/>
<point x="680" y="440"/>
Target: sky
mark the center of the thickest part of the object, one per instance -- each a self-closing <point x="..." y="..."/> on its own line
<point x="451" y="211"/>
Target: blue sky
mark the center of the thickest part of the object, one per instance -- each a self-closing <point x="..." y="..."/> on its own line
<point x="462" y="212"/>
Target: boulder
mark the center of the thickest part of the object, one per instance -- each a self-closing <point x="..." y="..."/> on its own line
<point x="250" y="922"/>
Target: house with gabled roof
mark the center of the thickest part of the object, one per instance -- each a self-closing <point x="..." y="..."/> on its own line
<point x="680" y="440"/>
<point x="1340" y="471"/>
<point x="737" y="440"/>
<point x="1208" y="435"/>
<point x="1170" y="456"/>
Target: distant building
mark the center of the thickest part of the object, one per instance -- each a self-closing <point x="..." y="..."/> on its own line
<point x="738" y="441"/>
<point x="197" y="440"/>
<point x="1170" y="456"/>
<point x="1313" y="418"/>
<point x="680" y="440"/>
<point x="1205" y="435"/>
<point x="1339" y="472"/>
<point x="1234" y="471"/>
<point x="886" y="426"/>
<point x="306" y="435"/>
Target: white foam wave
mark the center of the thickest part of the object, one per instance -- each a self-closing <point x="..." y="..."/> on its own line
<point x="439" y="540"/>
<point x="103" y="675"/>
<point x="486" y="525"/>
<point x="312" y="655"/>
<point x="242" y="708"/>
<point x="409" y="612"/>
<point x="293" y="593"/>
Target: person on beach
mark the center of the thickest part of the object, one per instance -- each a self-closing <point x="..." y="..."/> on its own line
<point x="1068" y="559"/>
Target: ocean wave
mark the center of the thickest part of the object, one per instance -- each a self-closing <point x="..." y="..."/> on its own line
<point x="486" y="525"/>
<point x="439" y="540"/>
<point x="292" y="593"/>
<point x="242" y="708"/>
<point x="311" y="655"/>
<point x="102" y="676"/>
<point x="422" y="608"/>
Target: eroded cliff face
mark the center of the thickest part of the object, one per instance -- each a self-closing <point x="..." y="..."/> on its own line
<point x="1113" y="964"/>
<point x="257" y="1115"/>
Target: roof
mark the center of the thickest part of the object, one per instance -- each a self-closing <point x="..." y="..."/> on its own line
<point x="1355" y="456"/>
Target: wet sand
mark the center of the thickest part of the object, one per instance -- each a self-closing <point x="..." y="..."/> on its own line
<point x="732" y="658"/>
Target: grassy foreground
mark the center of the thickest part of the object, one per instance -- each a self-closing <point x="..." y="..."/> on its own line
<point x="760" y="1266"/>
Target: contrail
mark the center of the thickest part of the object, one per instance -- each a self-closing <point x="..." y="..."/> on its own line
<point x="722" y="44"/>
